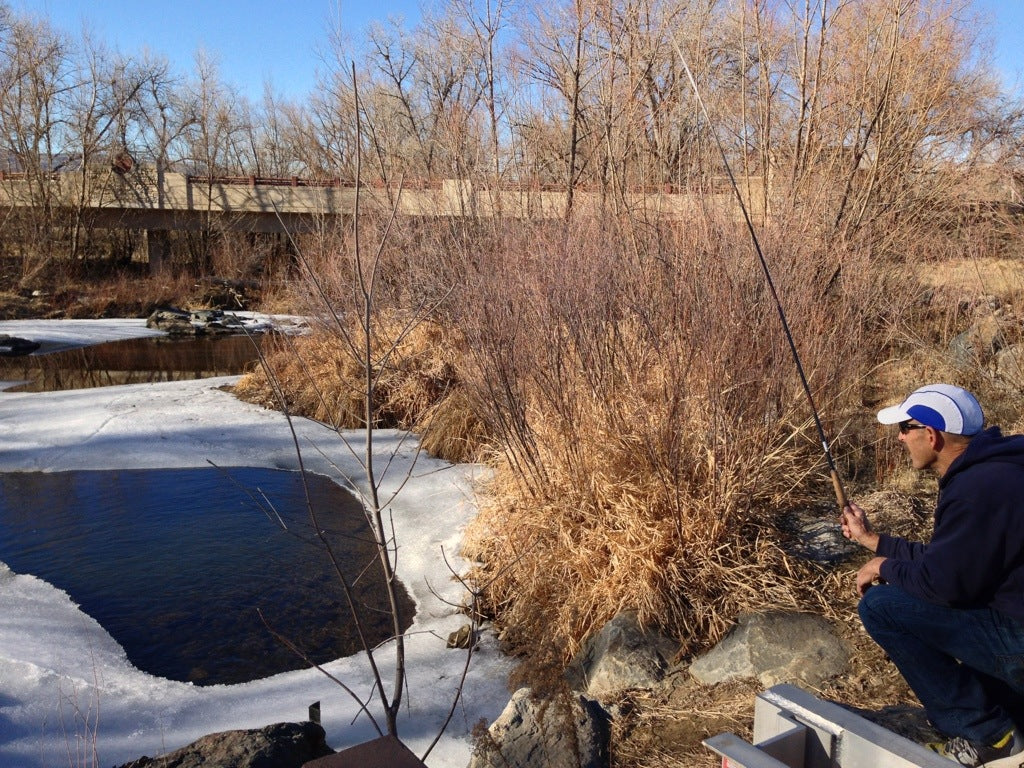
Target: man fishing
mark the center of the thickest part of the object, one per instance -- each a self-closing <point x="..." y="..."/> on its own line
<point x="950" y="613"/>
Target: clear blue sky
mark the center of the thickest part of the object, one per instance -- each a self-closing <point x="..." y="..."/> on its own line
<point x="1007" y="28"/>
<point x="252" y="40"/>
<point x="282" y="39"/>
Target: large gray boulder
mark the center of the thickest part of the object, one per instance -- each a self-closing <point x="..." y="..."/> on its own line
<point x="978" y="343"/>
<point x="565" y="732"/>
<point x="282" y="745"/>
<point x="775" y="647"/>
<point x="621" y="655"/>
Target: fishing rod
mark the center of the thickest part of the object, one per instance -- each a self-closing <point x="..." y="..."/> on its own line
<point x="833" y="472"/>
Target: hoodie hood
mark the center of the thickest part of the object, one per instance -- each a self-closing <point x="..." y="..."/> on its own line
<point x="989" y="445"/>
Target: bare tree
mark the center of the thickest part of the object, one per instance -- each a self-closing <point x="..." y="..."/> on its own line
<point x="35" y="76"/>
<point x="393" y="119"/>
<point x="483" y="25"/>
<point x="865" y="107"/>
<point x="324" y="132"/>
<point x="559" y="58"/>
<point x="214" y="142"/>
<point x="97" y="123"/>
<point x="359" y="308"/>
<point x="271" y="141"/>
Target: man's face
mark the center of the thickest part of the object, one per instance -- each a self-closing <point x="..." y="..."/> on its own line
<point x="920" y="443"/>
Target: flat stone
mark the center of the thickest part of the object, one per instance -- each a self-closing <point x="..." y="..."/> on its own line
<point x="198" y="322"/>
<point x="775" y="647"/>
<point x="282" y="745"/>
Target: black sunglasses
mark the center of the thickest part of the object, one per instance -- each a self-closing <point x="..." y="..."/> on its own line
<point x="906" y="426"/>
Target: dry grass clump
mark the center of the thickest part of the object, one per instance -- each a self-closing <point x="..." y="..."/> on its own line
<point x="451" y="429"/>
<point x="416" y="383"/>
<point x="974" y="277"/>
<point x="125" y="293"/>
<point x="558" y="568"/>
<point x="315" y="376"/>
<point x="650" y="423"/>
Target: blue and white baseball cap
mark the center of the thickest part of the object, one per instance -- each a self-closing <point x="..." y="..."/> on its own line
<point x="941" y="406"/>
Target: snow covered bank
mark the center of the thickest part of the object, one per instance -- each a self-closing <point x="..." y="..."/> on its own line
<point x="66" y="685"/>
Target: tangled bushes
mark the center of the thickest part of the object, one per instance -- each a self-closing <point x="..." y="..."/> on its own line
<point x="637" y="400"/>
<point x="649" y="421"/>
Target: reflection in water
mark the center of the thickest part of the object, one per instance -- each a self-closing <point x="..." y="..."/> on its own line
<point x="132" y="361"/>
<point x="177" y="564"/>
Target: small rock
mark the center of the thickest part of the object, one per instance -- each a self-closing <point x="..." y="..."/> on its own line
<point x="198" y="322"/>
<point x="775" y="647"/>
<point x="463" y="637"/>
<point x="12" y="346"/>
<point x="1009" y="364"/>
<point x="568" y="732"/>
<point x="980" y="342"/>
<point x="815" y="535"/>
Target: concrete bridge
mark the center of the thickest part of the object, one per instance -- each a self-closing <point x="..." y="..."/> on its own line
<point x="158" y="203"/>
<point x="145" y="199"/>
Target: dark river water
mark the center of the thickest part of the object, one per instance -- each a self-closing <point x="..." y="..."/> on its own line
<point x="133" y="361"/>
<point x="179" y="564"/>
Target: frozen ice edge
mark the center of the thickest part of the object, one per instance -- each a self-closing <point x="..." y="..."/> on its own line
<point x="66" y="685"/>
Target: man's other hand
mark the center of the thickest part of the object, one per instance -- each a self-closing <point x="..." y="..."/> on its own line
<point x="868" y="574"/>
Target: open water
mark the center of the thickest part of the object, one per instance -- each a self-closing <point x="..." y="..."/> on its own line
<point x="192" y="571"/>
<point x="178" y="564"/>
<point x="132" y="361"/>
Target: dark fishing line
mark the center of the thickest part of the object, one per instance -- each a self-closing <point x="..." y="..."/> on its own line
<point x="833" y="472"/>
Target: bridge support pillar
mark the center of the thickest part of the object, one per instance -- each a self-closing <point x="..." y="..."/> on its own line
<point x="158" y="250"/>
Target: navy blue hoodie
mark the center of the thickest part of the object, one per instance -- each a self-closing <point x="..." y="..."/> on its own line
<point x="976" y="555"/>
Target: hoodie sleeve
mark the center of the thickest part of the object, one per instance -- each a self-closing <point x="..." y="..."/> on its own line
<point x="899" y="548"/>
<point x="961" y="564"/>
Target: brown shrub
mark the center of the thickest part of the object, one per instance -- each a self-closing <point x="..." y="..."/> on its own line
<point x="639" y="403"/>
<point x="650" y="422"/>
<point x="416" y="383"/>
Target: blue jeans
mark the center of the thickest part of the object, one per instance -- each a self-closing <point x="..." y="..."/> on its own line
<point x="966" y="666"/>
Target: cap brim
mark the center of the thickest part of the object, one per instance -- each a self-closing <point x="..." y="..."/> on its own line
<point x="894" y="414"/>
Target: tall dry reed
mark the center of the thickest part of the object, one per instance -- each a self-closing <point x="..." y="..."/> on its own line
<point x="649" y="420"/>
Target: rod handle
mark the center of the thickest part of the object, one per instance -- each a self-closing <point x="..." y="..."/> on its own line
<point x="837" y="485"/>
